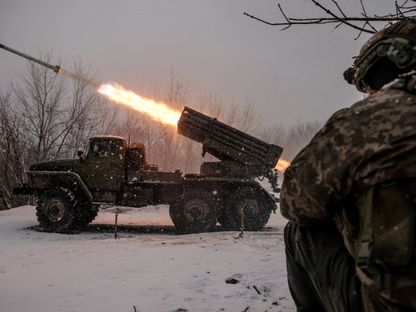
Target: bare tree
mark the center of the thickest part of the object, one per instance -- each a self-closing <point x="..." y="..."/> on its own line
<point x="59" y="113"/>
<point x="39" y="95"/>
<point x="300" y="134"/>
<point x="44" y="116"/>
<point x="276" y="134"/>
<point x="175" y="98"/>
<point x="13" y="152"/>
<point x="334" y="14"/>
<point x="86" y="111"/>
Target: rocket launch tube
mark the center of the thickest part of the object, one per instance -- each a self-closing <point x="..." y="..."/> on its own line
<point x="226" y="142"/>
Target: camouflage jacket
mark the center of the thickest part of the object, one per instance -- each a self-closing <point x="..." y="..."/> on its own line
<point x="371" y="142"/>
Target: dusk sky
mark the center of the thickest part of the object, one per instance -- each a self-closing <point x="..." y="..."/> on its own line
<point x="210" y="46"/>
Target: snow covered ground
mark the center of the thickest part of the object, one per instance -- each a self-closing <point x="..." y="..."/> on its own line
<point x="148" y="268"/>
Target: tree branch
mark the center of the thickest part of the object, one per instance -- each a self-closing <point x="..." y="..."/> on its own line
<point x="403" y="10"/>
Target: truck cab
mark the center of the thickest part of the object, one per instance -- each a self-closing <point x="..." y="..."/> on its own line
<point x="102" y="168"/>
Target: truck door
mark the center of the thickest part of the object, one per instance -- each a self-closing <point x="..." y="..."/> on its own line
<point x="104" y="164"/>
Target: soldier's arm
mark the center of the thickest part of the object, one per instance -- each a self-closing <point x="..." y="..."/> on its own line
<point x="320" y="176"/>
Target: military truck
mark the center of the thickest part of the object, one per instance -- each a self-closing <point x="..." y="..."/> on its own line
<point x="113" y="172"/>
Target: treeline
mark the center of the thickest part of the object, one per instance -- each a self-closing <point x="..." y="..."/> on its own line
<point x="44" y="116"/>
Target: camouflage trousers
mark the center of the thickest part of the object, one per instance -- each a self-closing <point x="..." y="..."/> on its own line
<point x="321" y="272"/>
<point x="322" y="275"/>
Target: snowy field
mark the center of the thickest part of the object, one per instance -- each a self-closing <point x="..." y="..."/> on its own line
<point x="148" y="268"/>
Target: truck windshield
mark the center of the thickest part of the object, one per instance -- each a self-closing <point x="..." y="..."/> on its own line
<point x="106" y="149"/>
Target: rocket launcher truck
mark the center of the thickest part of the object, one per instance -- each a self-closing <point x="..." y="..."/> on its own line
<point x="112" y="172"/>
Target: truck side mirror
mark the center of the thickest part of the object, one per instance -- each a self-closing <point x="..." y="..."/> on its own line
<point x="80" y="153"/>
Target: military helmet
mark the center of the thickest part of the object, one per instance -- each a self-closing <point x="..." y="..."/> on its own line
<point x="396" y="43"/>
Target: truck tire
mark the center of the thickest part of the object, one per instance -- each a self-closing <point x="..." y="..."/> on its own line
<point x="56" y="210"/>
<point x="195" y="212"/>
<point x="253" y="203"/>
<point x="86" y="213"/>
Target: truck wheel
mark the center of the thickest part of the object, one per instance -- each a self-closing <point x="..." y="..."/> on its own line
<point x="56" y="210"/>
<point x="86" y="214"/>
<point x="254" y="205"/>
<point x="194" y="212"/>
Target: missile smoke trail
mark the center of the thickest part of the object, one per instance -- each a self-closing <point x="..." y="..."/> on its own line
<point x="92" y="83"/>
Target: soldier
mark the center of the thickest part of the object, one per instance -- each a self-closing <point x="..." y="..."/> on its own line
<point x="350" y="194"/>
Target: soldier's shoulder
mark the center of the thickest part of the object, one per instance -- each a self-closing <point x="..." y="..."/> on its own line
<point x="340" y="118"/>
<point x="391" y="96"/>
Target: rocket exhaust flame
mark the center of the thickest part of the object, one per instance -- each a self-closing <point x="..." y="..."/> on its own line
<point x="157" y="110"/>
<point x="282" y="165"/>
